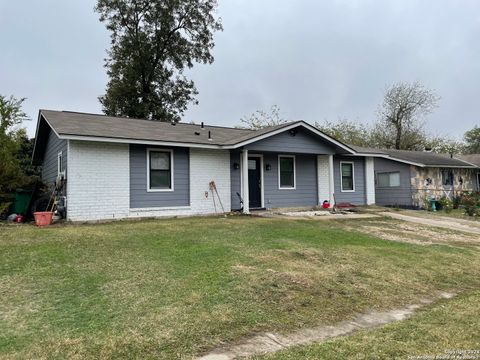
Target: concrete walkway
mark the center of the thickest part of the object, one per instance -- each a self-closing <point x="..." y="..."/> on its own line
<point x="272" y="342"/>
<point x="444" y="222"/>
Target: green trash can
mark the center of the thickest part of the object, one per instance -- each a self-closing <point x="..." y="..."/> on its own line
<point x="22" y="201"/>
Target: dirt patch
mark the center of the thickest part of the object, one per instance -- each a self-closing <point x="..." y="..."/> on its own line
<point x="273" y="342"/>
<point x="413" y="233"/>
<point x="446" y="223"/>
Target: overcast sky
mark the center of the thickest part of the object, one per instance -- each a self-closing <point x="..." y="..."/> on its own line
<point x="316" y="60"/>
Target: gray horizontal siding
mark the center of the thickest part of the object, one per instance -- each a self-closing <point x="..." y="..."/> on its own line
<point x="49" y="164"/>
<point x="357" y="197"/>
<point x="141" y="198"/>
<point x="235" y="184"/>
<point x="305" y="194"/>
<point x="393" y="196"/>
<point x="303" y="142"/>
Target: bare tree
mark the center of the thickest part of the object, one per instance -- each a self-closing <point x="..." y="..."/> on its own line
<point x="402" y="115"/>
<point x="261" y="119"/>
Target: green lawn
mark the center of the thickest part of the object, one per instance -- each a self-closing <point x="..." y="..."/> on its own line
<point x="177" y="288"/>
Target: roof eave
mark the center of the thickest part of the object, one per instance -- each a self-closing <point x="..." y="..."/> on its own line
<point x="138" y="141"/>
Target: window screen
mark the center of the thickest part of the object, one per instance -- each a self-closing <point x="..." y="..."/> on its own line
<point x="347" y="176"/>
<point x="160" y="170"/>
<point x="287" y="172"/>
<point x="388" y="179"/>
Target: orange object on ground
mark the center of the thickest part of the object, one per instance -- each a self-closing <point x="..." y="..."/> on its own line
<point x="43" y="218"/>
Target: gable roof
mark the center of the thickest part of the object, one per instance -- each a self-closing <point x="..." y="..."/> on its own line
<point x="417" y="158"/>
<point x="95" y="127"/>
<point x="71" y="125"/>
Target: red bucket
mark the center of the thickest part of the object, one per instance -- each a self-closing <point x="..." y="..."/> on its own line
<point x="43" y="218"/>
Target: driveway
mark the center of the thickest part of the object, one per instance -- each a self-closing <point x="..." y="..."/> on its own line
<point x="443" y="222"/>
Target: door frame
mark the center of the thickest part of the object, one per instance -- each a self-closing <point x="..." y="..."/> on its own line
<point x="262" y="192"/>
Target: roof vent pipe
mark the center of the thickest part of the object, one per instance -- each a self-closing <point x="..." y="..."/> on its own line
<point x="202" y="126"/>
<point x="209" y="136"/>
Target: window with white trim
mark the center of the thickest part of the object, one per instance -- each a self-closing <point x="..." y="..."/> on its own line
<point x="347" y="176"/>
<point x="160" y="170"/>
<point x="388" y="179"/>
<point x="59" y="163"/>
<point x="286" y="172"/>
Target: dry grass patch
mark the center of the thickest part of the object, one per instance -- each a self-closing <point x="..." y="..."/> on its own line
<point x="397" y="230"/>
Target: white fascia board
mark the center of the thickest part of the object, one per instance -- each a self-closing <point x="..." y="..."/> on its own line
<point x="388" y="157"/>
<point x="142" y="142"/>
<point x="453" y="166"/>
<point x="40" y="116"/>
<point x="36" y="135"/>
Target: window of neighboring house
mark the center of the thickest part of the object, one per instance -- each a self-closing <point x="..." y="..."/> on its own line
<point x="447" y="177"/>
<point x="59" y="163"/>
<point x="347" y="176"/>
<point x="388" y="179"/>
<point x="478" y="181"/>
<point x="286" y="172"/>
<point x="159" y="170"/>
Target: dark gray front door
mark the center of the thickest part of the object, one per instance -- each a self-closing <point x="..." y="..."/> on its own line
<point x="254" y="182"/>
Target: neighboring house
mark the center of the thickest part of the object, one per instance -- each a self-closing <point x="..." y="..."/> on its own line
<point x="121" y="168"/>
<point x="475" y="160"/>
<point x="409" y="178"/>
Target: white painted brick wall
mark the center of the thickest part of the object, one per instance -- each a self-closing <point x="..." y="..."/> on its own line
<point x="323" y="175"/>
<point x="369" y="180"/>
<point x="207" y="165"/>
<point x="98" y="182"/>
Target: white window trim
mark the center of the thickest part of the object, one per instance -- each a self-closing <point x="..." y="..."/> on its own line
<point x="353" y="176"/>
<point x="294" y="173"/>
<point x="59" y="167"/>
<point x="388" y="172"/>
<point x="149" y="150"/>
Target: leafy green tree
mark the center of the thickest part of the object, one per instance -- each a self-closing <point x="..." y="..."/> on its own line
<point x="346" y="131"/>
<point x="472" y="140"/>
<point x="261" y="119"/>
<point x="11" y="116"/>
<point x="152" y="43"/>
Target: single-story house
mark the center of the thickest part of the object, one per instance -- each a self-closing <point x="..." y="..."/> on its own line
<point x="121" y="167"/>
<point x="473" y="159"/>
<point x="409" y="178"/>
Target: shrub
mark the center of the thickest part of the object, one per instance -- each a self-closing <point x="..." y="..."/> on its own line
<point x="457" y="199"/>
<point x="471" y="202"/>
<point x="446" y="204"/>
